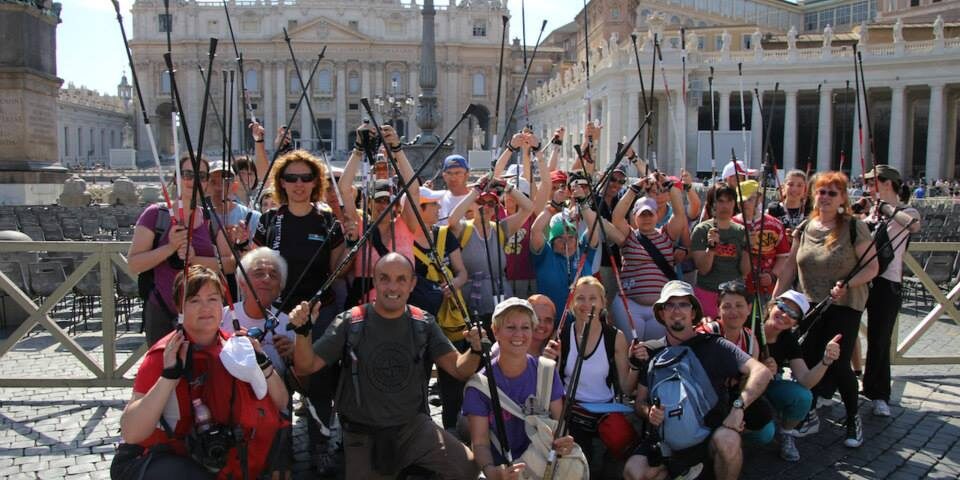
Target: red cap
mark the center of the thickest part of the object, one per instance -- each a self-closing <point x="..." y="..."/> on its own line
<point x="558" y="176"/>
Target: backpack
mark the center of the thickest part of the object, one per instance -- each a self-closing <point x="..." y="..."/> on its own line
<point x="355" y="332"/>
<point x="539" y="428"/>
<point x="885" y="253"/>
<point x="449" y="317"/>
<point x="609" y="343"/>
<point x="853" y="230"/>
<point x="678" y="382"/>
<point x="145" y="281"/>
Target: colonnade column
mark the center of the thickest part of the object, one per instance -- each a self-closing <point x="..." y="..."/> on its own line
<point x="898" y="124"/>
<point x="824" y="130"/>
<point x="935" y="127"/>
<point x="340" y="124"/>
<point x="790" y="131"/>
<point x="724" y="112"/>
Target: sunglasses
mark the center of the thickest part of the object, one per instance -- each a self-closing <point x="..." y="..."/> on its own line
<point x="680" y="306"/>
<point x="303" y="177"/>
<point x="618" y="180"/>
<point x="790" y="311"/>
<point x="734" y="286"/>
<point x="830" y="193"/>
<point x="191" y="175"/>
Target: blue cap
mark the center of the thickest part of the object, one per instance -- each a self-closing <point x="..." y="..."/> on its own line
<point x="455" y="161"/>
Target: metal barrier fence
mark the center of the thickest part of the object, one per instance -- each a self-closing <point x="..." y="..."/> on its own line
<point x="104" y="255"/>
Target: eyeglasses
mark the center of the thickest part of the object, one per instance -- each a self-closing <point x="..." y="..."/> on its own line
<point x="679" y="306"/>
<point x="618" y="180"/>
<point x="788" y="310"/>
<point x="191" y="175"/>
<point x="303" y="177"/>
<point x="830" y="193"/>
<point x="734" y="286"/>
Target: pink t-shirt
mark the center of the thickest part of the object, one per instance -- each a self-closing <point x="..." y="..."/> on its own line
<point x="640" y="275"/>
<point x="519" y="261"/>
<point x="163" y="273"/>
<point x="404" y="246"/>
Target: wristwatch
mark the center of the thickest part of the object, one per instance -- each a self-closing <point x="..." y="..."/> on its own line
<point x="738" y="403"/>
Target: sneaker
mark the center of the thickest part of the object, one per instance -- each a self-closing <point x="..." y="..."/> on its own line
<point x="691" y="474"/>
<point x="809" y="426"/>
<point x="880" y="408"/>
<point x="854" y="437"/>
<point x="788" y="447"/>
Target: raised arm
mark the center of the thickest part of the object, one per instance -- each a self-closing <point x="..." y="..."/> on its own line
<point x="260" y="152"/>
<point x="542" y="194"/>
<point x="537" y="235"/>
<point x="524" y="208"/>
<point x="345" y="184"/>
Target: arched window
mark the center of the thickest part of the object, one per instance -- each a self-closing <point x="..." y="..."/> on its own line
<point x="250" y="81"/>
<point x="479" y="85"/>
<point x="324" y="81"/>
<point x="353" y="83"/>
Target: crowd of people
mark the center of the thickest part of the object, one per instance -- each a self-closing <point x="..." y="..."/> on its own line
<point x="590" y="299"/>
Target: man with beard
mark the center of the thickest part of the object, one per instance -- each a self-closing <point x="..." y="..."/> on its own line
<point x="680" y="312"/>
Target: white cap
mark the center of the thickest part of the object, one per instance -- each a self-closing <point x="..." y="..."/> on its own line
<point x="513" y="169"/>
<point x="514" y="302"/>
<point x="428" y="196"/>
<point x="239" y="358"/>
<point x="645" y="204"/>
<point x="216" y="166"/>
<point x="729" y="169"/>
<point x="797" y="298"/>
<point x="524" y="186"/>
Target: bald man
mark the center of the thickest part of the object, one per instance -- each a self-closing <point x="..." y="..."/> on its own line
<point x="386" y="348"/>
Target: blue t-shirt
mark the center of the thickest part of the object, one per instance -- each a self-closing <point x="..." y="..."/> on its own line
<point x="238" y="213"/>
<point x="519" y="389"/>
<point x="555" y="273"/>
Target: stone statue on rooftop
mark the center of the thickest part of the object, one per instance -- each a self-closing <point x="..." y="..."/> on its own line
<point x="827" y="36"/>
<point x="938" y="28"/>
<point x="898" y="31"/>
<point x="725" y="39"/>
<point x="792" y="38"/>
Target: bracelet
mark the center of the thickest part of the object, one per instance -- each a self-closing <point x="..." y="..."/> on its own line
<point x="242" y="245"/>
<point x="351" y="243"/>
<point x="263" y="360"/>
<point x="174" y="372"/>
<point x="556" y="141"/>
<point x="537" y="148"/>
<point x="257" y="141"/>
<point x="267" y="376"/>
<point x="305" y="329"/>
<point x="636" y="190"/>
<point x="396" y="148"/>
<point x="512" y="148"/>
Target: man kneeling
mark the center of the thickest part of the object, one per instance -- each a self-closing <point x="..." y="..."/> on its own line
<point x="716" y="360"/>
<point x="386" y="349"/>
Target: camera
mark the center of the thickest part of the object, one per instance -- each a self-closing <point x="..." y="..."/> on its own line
<point x="211" y="446"/>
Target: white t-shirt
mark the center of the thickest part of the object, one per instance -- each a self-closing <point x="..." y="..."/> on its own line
<point x="448" y="203"/>
<point x="894" y="271"/>
<point x="267" y="343"/>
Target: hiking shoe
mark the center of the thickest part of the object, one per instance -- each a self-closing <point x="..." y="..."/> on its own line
<point x="854" y="437"/>
<point x="809" y="426"/>
<point x="880" y="408"/>
<point x="788" y="447"/>
<point x="691" y="474"/>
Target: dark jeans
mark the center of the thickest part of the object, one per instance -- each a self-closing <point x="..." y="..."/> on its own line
<point x="156" y="466"/>
<point x="451" y="391"/>
<point x="323" y="383"/>
<point x="157" y="320"/>
<point x="835" y="320"/>
<point x="882" y="309"/>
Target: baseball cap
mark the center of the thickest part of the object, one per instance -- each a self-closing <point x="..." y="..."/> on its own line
<point x="576" y="178"/>
<point x="216" y="166"/>
<point x="645" y="204"/>
<point x="455" y="161"/>
<point x="560" y="226"/>
<point x="676" y="288"/>
<point x="382" y="188"/>
<point x="513" y="170"/>
<point x="747" y="189"/>
<point x="730" y="168"/>
<point x="514" y="302"/>
<point x="558" y="176"/>
<point x="885" y="172"/>
<point x="430" y="196"/>
<point x="797" y="298"/>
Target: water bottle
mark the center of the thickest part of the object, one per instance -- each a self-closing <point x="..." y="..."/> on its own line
<point x="201" y="415"/>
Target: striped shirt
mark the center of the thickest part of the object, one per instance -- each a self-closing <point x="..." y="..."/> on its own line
<point x="640" y="274"/>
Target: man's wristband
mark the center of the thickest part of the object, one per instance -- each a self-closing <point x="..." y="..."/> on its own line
<point x="512" y="148"/>
<point x="258" y="141"/>
<point x="396" y="148"/>
<point x="304" y="330"/>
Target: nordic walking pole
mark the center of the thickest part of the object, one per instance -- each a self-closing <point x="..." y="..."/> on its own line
<point x="496" y="108"/>
<point x="743" y="119"/>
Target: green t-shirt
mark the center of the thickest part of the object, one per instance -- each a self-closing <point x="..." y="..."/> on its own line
<point x="726" y="262"/>
<point x="392" y="376"/>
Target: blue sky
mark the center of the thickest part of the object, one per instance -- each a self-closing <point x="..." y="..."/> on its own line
<point x="90" y="49"/>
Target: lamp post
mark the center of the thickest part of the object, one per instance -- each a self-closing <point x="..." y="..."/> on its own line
<point x="394" y="107"/>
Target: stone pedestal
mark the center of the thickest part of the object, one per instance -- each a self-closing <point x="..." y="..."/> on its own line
<point x="123" y="158"/>
<point x="29" y="172"/>
<point x="124" y="192"/>
<point x="417" y="154"/>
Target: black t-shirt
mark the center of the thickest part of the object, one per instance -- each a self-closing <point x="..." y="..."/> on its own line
<point x="785" y="349"/>
<point x="606" y="211"/>
<point x="297" y="239"/>
<point x="451" y="244"/>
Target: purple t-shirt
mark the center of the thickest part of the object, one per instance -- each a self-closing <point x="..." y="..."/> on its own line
<point x="519" y="389"/>
<point x="163" y="273"/>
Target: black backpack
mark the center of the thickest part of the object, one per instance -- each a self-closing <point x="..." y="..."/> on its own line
<point x="145" y="282"/>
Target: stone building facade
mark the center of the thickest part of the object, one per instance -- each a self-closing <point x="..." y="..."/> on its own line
<point x="911" y="60"/>
<point x="89" y="124"/>
<point x="372" y="51"/>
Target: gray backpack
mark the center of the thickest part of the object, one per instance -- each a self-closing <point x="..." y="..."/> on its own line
<point x="678" y="382"/>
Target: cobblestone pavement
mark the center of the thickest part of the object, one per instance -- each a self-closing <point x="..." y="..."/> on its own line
<point x="71" y="432"/>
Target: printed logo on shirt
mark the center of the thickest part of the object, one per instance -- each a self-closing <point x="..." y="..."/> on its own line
<point x="726" y="250"/>
<point x="316" y="237"/>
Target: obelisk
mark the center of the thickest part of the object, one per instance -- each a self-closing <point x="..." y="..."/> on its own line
<point x="428" y="114"/>
<point x="29" y="172"/>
